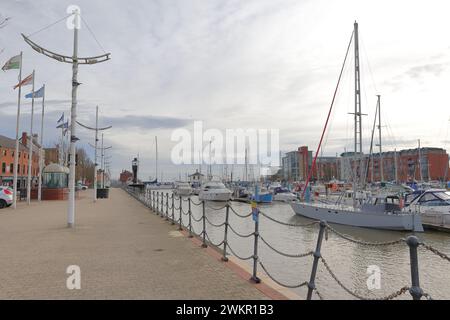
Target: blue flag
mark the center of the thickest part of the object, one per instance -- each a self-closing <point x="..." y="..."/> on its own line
<point x="37" y="94"/>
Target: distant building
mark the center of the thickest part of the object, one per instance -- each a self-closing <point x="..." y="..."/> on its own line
<point x="403" y="165"/>
<point x="196" y="178"/>
<point x="7" y="150"/>
<point x="290" y="165"/>
<point x="124" y="176"/>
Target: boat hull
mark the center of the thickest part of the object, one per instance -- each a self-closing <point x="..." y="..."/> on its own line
<point x="215" y="196"/>
<point x="376" y="220"/>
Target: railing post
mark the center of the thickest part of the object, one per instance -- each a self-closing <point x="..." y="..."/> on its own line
<point x="225" y="237"/>
<point x="204" y="245"/>
<point x="173" y="209"/>
<point x="181" y="214"/>
<point x="415" y="290"/>
<point x="317" y="255"/>
<point x="167" y="206"/>
<point x="153" y="201"/>
<point x="254" y="277"/>
<point x="162" y="205"/>
<point x="157" y="203"/>
<point x="190" y="218"/>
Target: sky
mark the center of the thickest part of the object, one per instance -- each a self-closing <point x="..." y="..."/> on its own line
<point x="264" y="64"/>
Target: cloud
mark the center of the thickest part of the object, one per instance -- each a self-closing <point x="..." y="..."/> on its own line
<point x="145" y="122"/>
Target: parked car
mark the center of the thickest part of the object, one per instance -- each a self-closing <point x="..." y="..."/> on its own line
<point x="6" y="197"/>
<point x="81" y="187"/>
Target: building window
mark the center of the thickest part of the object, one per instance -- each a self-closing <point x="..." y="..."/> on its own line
<point x="5" y="152"/>
<point x="11" y="167"/>
<point x="3" y="167"/>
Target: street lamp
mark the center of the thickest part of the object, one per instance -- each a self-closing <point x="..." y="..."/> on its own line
<point x="75" y="61"/>
<point x="96" y="129"/>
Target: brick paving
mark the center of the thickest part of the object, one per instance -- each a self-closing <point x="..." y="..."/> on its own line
<point x="123" y="250"/>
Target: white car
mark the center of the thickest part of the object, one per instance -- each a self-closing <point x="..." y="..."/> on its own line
<point x="6" y="197"/>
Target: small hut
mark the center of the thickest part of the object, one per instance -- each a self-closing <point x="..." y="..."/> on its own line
<point x="55" y="181"/>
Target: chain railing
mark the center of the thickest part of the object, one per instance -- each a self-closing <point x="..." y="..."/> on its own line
<point x="159" y="203"/>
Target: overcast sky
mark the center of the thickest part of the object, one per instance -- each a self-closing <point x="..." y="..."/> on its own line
<point x="235" y="64"/>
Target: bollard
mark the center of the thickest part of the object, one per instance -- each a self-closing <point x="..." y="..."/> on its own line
<point x="181" y="214"/>
<point x="415" y="290"/>
<point x="167" y="206"/>
<point x="173" y="210"/>
<point x="225" y="237"/>
<point x="317" y="255"/>
<point x="190" y="219"/>
<point x="204" y="245"/>
<point x="254" y="277"/>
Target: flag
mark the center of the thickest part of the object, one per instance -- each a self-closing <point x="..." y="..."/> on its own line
<point x="13" y="63"/>
<point x="60" y="122"/>
<point x="37" y="94"/>
<point x="27" y="81"/>
<point x="66" y="128"/>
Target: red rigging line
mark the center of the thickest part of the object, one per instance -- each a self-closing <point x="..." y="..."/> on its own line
<point x="328" y="117"/>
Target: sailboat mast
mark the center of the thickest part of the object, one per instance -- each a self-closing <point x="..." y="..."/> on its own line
<point x="358" y="122"/>
<point x="379" y="137"/>
<point x="420" y="163"/>
<point x="156" y="164"/>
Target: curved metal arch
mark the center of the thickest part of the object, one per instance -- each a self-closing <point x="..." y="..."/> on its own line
<point x="99" y="129"/>
<point x="66" y="59"/>
<point x="99" y="148"/>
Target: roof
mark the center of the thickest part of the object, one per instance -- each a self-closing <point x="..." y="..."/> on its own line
<point x="55" y="168"/>
<point x="9" y="143"/>
<point x="196" y="174"/>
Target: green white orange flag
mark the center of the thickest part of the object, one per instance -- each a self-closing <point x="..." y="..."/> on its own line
<point x="27" y="81"/>
<point x="13" y="63"/>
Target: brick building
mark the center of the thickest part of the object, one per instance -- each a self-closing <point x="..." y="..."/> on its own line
<point x="7" y="150"/>
<point x="125" y="175"/>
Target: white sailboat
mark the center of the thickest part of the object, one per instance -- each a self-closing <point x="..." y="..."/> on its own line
<point x="376" y="212"/>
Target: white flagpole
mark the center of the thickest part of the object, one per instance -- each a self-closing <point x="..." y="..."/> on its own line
<point x="41" y="159"/>
<point x="30" y="150"/>
<point x="95" y="154"/>
<point x="16" y="153"/>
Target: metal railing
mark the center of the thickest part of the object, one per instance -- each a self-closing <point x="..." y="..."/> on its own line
<point x="155" y="201"/>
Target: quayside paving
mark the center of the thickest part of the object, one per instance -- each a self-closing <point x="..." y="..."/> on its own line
<point x="123" y="251"/>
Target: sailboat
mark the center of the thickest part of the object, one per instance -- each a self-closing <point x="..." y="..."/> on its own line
<point x="379" y="212"/>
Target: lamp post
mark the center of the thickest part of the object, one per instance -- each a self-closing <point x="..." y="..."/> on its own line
<point x="75" y="61"/>
<point x="96" y="129"/>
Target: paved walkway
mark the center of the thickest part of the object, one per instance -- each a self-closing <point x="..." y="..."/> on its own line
<point x="124" y="252"/>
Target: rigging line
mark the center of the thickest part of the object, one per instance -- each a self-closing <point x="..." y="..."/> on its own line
<point x="368" y="63"/>
<point x="93" y="35"/>
<point x="49" y="26"/>
<point x="328" y="117"/>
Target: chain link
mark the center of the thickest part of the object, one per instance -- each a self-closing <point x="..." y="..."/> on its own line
<point x="237" y="256"/>
<point x="210" y="241"/>
<point x="196" y="203"/>
<point x="215" y="225"/>
<point x="215" y="208"/>
<point x="281" y="283"/>
<point x="354" y="294"/>
<point x="373" y="244"/>
<point x="288" y="224"/>
<point x="239" y="234"/>
<point x="240" y="215"/>
<point x="436" y="251"/>
<point x="318" y="294"/>
<point x="302" y="255"/>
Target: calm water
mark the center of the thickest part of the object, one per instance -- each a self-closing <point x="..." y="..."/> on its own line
<point x="349" y="261"/>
